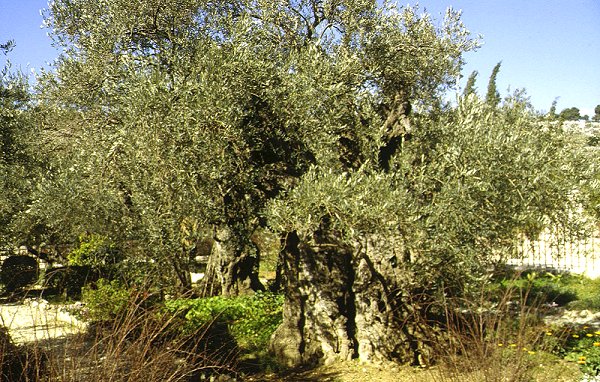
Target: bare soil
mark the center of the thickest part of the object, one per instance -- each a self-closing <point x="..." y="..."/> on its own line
<point x="35" y="320"/>
<point x="350" y="371"/>
<point x="353" y="371"/>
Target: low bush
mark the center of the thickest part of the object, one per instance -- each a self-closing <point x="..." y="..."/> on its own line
<point x="581" y="345"/>
<point x="95" y="251"/>
<point x="135" y="342"/>
<point x="104" y="301"/>
<point x="251" y="320"/>
<point x="222" y="327"/>
<point x="18" y="271"/>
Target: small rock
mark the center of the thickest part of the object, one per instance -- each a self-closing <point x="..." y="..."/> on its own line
<point x="584" y="313"/>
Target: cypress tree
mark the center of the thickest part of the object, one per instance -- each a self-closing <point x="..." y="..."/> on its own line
<point x="470" y="86"/>
<point x="492" y="97"/>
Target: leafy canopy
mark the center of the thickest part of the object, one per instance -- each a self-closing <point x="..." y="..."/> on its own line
<point x="167" y="119"/>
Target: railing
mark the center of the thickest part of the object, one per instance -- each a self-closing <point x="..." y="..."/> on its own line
<point x="557" y="250"/>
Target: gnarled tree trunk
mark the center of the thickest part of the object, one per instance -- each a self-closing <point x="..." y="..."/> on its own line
<point x="232" y="267"/>
<point x="345" y="302"/>
<point x="319" y="307"/>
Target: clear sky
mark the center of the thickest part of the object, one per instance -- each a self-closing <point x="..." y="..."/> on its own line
<point x="549" y="47"/>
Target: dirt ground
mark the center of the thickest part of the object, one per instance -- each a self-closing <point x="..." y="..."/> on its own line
<point x="350" y="372"/>
<point x="353" y="371"/>
<point x="36" y="320"/>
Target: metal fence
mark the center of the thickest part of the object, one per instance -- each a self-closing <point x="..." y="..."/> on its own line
<point x="558" y="250"/>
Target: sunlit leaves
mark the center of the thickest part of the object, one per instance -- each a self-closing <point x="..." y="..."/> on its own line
<point x="164" y="112"/>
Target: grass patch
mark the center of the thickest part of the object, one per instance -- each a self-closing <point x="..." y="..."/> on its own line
<point x="566" y="290"/>
<point x="587" y="292"/>
<point x="502" y="335"/>
<point x="251" y="319"/>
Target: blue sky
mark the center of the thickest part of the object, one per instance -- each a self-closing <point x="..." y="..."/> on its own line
<point x="549" y="47"/>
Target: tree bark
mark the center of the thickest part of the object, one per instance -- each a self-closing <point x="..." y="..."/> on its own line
<point x="319" y="307"/>
<point x="345" y="302"/>
<point x="396" y="129"/>
<point x="232" y="267"/>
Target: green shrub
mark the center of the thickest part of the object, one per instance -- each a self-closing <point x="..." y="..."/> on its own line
<point x="105" y="301"/>
<point x="94" y="250"/>
<point x="251" y="319"/>
<point x="18" y="272"/>
<point x="583" y="347"/>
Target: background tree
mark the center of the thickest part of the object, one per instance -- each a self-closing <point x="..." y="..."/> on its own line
<point x="492" y="97"/>
<point x="570" y="114"/>
<point x="7" y="46"/>
<point x="596" y="116"/>
<point x="108" y="114"/>
<point x="19" y="167"/>
<point x="470" y="85"/>
<point x="552" y="113"/>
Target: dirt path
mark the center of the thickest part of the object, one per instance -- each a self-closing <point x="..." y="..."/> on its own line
<point x="36" y="320"/>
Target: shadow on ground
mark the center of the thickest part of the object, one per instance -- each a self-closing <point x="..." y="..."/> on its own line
<point x="298" y="375"/>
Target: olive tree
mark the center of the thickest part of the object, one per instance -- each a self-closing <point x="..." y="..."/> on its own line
<point x="371" y="255"/>
<point x="19" y="167"/>
<point x="172" y="120"/>
<point x="161" y="133"/>
<point x="323" y="120"/>
<point x="87" y="111"/>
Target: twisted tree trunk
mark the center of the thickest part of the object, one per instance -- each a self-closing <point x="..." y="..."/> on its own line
<point x="346" y="302"/>
<point x="232" y="267"/>
<point x="319" y="305"/>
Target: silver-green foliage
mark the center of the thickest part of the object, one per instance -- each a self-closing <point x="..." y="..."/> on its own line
<point x="464" y="187"/>
<point x="164" y="119"/>
<point x="18" y="164"/>
<point x="167" y="119"/>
